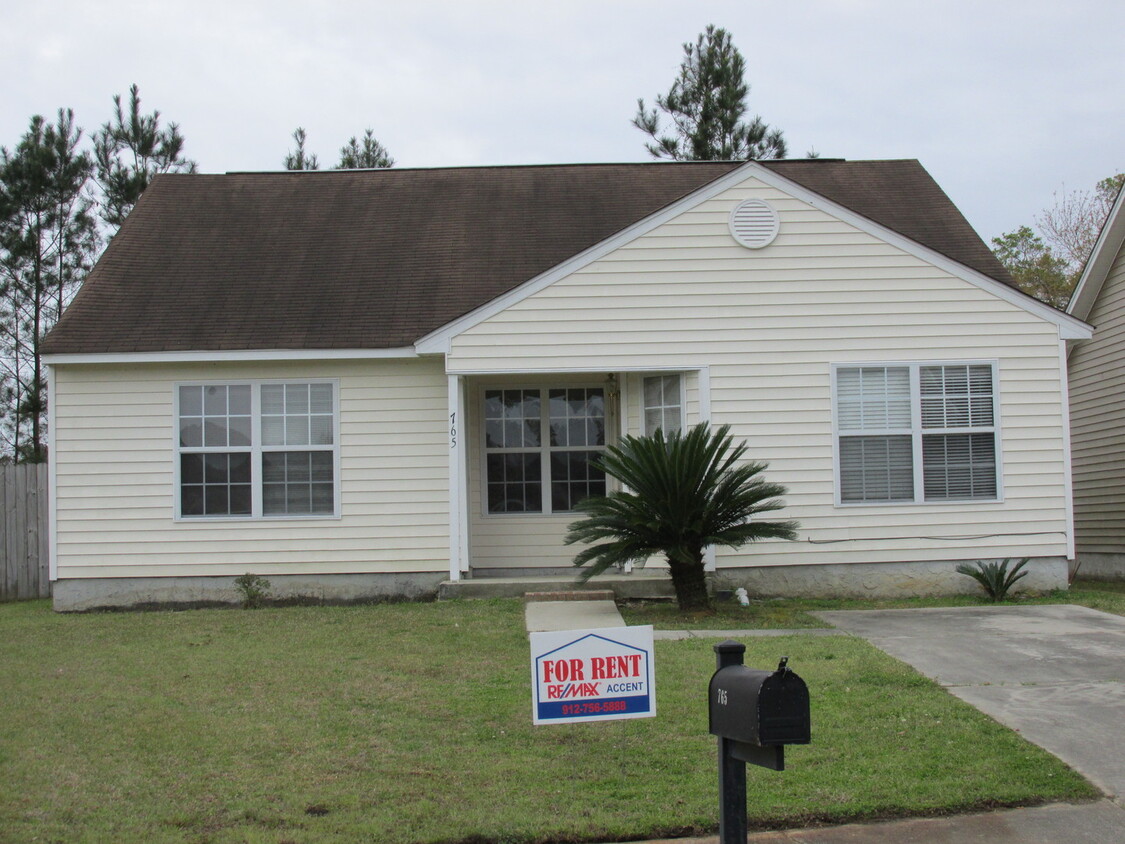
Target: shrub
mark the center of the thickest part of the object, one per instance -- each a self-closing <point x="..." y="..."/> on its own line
<point x="995" y="577"/>
<point x="680" y="493"/>
<point x="254" y="590"/>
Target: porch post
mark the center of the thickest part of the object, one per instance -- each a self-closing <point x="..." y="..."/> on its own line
<point x="458" y="480"/>
<point x="705" y="416"/>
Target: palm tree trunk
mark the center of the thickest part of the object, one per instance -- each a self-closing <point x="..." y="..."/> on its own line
<point x="690" y="582"/>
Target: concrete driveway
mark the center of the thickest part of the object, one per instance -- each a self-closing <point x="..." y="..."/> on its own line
<point x="1056" y="674"/>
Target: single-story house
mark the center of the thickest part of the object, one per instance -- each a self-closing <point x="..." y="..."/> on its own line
<point x="1097" y="405"/>
<point x="362" y="383"/>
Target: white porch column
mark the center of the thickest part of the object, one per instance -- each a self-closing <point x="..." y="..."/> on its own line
<point x="458" y="480"/>
<point x="705" y="416"/>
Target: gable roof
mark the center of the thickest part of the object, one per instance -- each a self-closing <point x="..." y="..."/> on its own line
<point x="1109" y="243"/>
<point x="376" y="259"/>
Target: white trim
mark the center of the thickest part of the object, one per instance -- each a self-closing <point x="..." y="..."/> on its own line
<point x="1100" y="261"/>
<point x="255" y="450"/>
<point x="577" y="370"/>
<point x="458" y="479"/>
<point x="52" y="483"/>
<point x="704" y="393"/>
<point x="622" y="405"/>
<point x="438" y="341"/>
<point x="232" y="356"/>
<point x="1068" y="469"/>
<point x="465" y="550"/>
<point x="917" y="432"/>
<point x="710" y="561"/>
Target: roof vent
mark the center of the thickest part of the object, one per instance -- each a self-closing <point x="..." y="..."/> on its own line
<point x="754" y="223"/>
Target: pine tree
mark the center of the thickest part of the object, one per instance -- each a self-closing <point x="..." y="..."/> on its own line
<point x="706" y="106"/>
<point x="130" y="151"/>
<point x="366" y="155"/>
<point x="48" y="237"/>
<point x="298" y="159"/>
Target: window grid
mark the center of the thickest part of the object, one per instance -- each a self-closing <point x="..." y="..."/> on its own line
<point x="916" y="433"/>
<point x="257" y="449"/>
<point x="538" y="448"/>
<point x="663" y="403"/>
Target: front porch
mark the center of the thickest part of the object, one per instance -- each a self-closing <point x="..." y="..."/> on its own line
<point x="521" y="451"/>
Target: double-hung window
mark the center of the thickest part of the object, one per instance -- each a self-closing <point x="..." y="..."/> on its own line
<point x="540" y="444"/>
<point x="916" y="432"/>
<point x="257" y="449"/>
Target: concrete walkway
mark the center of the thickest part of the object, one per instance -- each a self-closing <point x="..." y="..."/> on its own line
<point x="1055" y="674"/>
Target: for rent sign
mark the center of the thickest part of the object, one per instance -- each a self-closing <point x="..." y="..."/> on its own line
<point x="592" y="675"/>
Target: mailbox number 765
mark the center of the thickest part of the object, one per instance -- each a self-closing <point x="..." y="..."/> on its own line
<point x="722" y="696"/>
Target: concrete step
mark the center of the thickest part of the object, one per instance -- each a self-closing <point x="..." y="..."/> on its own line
<point x="623" y="587"/>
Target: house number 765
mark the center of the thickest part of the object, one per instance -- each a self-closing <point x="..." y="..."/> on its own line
<point x="453" y="430"/>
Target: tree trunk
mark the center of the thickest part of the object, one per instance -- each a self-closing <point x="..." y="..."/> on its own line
<point x="690" y="582"/>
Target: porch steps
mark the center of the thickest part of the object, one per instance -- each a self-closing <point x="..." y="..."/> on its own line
<point x="620" y="586"/>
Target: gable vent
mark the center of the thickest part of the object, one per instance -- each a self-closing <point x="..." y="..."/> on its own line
<point x="754" y="223"/>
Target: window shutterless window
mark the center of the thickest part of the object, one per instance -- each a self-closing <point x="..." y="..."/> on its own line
<point x="663" y="403"/>
<point x="916" y="432"/>
<point x="539" y="446"/>
<point x="257" y="449"/>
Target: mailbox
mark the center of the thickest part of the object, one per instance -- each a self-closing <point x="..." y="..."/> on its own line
<point x="763" y="708"/>
<point x="755" y="714"/>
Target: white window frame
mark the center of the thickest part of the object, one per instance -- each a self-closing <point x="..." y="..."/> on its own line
<point x="916" y="432"/>
<point x="544" y="449"/>
<point x="255" y="450"/>
<point x="681" y="400"/>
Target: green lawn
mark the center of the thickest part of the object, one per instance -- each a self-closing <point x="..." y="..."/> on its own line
<point x="412" y="723"/>
<point x="794" y="613"/>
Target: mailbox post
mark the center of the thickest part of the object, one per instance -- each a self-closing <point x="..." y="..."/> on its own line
<point x="754" y="714"/>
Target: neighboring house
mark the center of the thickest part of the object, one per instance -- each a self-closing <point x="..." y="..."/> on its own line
<point x="362" y="383"/>
<point x="1097" y="405"/>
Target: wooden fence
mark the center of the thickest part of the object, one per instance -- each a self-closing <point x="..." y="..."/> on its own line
<point x="24" y="536"/>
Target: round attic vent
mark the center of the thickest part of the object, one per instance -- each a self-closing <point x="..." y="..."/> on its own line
<point x="754" y="223"/>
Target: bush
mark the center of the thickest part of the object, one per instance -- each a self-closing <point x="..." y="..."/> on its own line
<point x="254" y="590"/>
<point x="995" y="577"/>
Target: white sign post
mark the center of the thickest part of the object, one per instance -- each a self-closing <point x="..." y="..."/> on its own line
<point x="592" y="675"/>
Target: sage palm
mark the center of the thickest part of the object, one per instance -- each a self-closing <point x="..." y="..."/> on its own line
<point x="681" y="493"/>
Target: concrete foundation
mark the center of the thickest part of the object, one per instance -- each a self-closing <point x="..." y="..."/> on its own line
<point x="881" y="580"/>
<point x="81" y="595"/>
<point x="855" y="580"/>
<point x="1101" y="566"/>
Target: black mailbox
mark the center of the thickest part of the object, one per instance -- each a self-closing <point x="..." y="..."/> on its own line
<point x="763" y="708"/>
<point x="754" y="714"/>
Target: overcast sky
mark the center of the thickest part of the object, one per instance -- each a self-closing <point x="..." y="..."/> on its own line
<point x="1005" y="102"/>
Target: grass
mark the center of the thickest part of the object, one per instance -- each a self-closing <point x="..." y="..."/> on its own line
<point x="794" y="613"/>
<point x="412" y="723"/>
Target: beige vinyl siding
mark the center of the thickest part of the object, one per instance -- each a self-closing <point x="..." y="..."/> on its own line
<point x="1097" y="406"/>
<point x="768" y="325"/>
<point x="115" y="454"/>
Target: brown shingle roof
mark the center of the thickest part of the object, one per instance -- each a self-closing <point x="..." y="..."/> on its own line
<point x="379" y="258"/>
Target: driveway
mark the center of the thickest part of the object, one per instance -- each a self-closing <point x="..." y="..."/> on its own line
<point x="1055" y="674"/>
